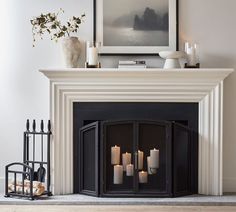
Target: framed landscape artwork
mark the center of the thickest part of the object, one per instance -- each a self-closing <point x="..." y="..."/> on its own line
<point x="135" y="26"/>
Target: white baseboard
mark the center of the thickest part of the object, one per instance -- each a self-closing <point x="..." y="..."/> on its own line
<point x="229" y="184"/>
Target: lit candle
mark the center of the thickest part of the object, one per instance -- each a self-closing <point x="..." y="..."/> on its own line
<point x="130" y="170"/>
<point x="150" y="170"/>
<point x="126" y="159"/>
<point x="154" y="158"/>
<point x="118" y="174"/>
<point x="143" y="177"/>
<point x="115" y="155"/>
<point x="140" y="160"/>
<point x="93" y="55"/>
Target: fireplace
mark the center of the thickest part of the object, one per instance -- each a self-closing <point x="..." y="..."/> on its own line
<point x="104" y="146"/>
<point x="202" y="86"/>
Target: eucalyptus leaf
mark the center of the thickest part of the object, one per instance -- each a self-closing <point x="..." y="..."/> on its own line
<point x="50" y="23"/>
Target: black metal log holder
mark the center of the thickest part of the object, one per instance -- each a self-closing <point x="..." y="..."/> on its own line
<point x="27" y="169"/>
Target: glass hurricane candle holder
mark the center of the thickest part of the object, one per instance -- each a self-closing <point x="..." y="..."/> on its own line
<point x="192" y="52"/>
<point x="92" y="54"/>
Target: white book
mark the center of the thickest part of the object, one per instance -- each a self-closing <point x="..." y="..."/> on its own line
<point x="132" y="62"/>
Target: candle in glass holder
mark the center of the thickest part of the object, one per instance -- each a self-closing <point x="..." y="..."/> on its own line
<point x="154" y="158"/>
<point x="150" y="170"/>
<point x="115" y="155"/>
<point x="143" y="177"/>
<point x="130" y="170"/>
<point x="126" y="159"/>
<point x="192" y="53"/>
<point x="140" y="160"/>
<point x="118" y="174"/>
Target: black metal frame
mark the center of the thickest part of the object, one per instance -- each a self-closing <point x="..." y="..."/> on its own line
<point x="138" y="54"/>
<point x="172" y="179"/>
<point x="135" y="193"/>
<point x="189" y="190"/>
<point x="82" y="190"/>
<point x="169" y="171"/>
<point x="28" y="166"/>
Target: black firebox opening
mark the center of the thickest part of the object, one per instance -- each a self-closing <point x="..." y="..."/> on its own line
<point x="170" y="127"/>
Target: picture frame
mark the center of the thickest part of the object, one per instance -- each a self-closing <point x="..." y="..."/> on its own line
<point x="129" y="29"/>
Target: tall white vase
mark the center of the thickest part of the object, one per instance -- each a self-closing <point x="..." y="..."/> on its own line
<point x="71" y="49"/>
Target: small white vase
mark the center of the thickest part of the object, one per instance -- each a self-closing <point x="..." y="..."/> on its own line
<point x="71" y="49"/>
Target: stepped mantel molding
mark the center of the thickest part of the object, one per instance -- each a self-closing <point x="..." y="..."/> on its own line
<point x="204" y="86"/>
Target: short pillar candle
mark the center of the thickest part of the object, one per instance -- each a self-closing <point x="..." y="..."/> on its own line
<point x="118" y="174"/>
<point x="130" y="170"/>
<point x="143" y="177"/>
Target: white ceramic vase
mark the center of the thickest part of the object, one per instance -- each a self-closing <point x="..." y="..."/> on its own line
<point x="71" y="49"/>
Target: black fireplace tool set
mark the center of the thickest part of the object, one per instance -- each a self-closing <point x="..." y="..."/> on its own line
<point x="31" y="179"/>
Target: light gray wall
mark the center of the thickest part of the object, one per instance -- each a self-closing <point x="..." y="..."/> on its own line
<point x="24" y="91"/>
<point x="211" y="23"/>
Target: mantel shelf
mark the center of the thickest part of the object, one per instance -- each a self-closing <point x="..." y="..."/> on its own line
<point x="153" y="74"/>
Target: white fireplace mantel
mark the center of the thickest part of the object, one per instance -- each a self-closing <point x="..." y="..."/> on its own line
<point x="204" y="86"/>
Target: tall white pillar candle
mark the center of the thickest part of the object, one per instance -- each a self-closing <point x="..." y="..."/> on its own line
<point x="154" y="158"/>
<point x="143" y="177"/>
<point x="150" y="170"/>
<point x="118" y="174"/>
<point x="126" y="159"/>
<point x="140" y="160"/>
<point x="115" y="155"/>
<point x="93" y="56"/>
<point x="130" y="170"/>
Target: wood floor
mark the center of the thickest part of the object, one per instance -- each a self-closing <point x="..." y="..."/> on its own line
<point x="97" y="208"/>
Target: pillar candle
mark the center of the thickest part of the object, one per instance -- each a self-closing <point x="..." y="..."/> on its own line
<point x="150" y="171"/>
<point x="118" y="174"/>
<point x="93" y="55"/>
<point x="140" y="160"/>
<point x="143" y="177"/>
<point x="191" y="56"/>
<point x="126" y="159"/>
<point x="154" y="158"/>
<point x="115" y="155"/>
<point x="130" y="170"/>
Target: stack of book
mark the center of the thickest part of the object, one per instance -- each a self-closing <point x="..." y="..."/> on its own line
<point x="132" y="64"/>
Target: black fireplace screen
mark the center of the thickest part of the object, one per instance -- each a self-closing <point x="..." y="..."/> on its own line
<point x="136" y="158"/>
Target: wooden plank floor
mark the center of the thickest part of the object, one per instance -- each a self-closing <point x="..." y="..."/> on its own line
<point x="116" y="208"/>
